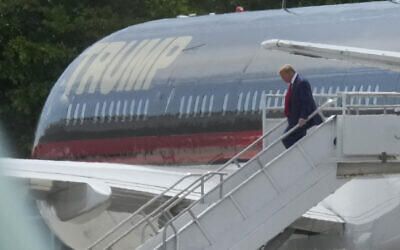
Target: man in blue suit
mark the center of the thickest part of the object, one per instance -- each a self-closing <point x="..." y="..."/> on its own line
<point x="299" y="104"/>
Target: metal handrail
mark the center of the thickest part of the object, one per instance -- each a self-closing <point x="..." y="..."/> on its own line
<point x="232" y="160"/>
<point x="202" y="192"/>
<point x="142" y="208"/>
<point x="371" y="94"/>
<point x="237" y="156"/>
<point x="314" y="95"/>
<point x="280" y="97"/>
<point x="348" y="93"/>
<point x="202" y="178"/>
<point x="350" y="101"/>
<point x="148" y="218"/>
<point x="279" y="139"/>
<point x="385" y="95"/>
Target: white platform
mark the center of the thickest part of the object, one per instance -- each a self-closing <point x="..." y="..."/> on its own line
<point x="265" y="196"/>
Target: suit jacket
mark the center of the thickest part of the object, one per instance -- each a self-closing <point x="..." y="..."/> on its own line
<point x="301" y="105"/>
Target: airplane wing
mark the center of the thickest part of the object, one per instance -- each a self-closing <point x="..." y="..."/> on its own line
<point x="82" y="201"/>
<point x="77" y="188"/>
<point x="369" y="57"/>
<point x="320" y="220"/>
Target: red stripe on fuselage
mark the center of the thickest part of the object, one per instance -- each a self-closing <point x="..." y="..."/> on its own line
<point x="171" y="149"/>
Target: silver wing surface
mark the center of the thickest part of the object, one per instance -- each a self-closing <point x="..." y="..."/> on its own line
<point x="369" y="57"/>
<point x="77" y="188"/>
<point x="81" y="201"/>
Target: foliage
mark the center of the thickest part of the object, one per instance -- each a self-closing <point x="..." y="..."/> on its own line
<point x="39" y="38"/>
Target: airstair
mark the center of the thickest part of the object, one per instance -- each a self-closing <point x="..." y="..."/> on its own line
<point x="269" y="192"/>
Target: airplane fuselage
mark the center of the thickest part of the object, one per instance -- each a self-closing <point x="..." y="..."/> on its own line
<point x="188" y="90"/>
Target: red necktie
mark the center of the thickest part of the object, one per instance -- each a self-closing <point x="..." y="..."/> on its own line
<point x="287" y="99"/>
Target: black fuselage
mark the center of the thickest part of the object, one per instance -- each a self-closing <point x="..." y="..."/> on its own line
<point x="188" y="90"/>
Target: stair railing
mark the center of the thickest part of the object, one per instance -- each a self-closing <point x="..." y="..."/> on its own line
<point x="278" y="140"/>
<point x="235" y="160"/>
<point x="141" y="210"/>
<point x="198" y="183"/>
<point x="180" y="196"/>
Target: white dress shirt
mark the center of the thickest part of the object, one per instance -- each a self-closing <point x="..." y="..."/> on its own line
<point x="293" y="78"/>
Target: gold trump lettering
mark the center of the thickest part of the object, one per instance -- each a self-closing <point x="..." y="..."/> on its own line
<point x="123" y="66"/>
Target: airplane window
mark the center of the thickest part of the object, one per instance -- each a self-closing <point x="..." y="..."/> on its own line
<point x="117" y="111"/>
<point x="124" y="110"/>
<point x="69" y="114"/>
<point x="269" y="99"/>
<point x="146" y="109"/>
<point x="181" y="107"/>
<point x="345" y="88"/>
<point x="352" y="98"/>
<point x="132" y="109"/>
<point x="225" y="105"/>
<point x="189" y="106"/>
<point x="376" y="90"/>
<point x="320" y="100"/>
<point x="360" y="98"/>
<point x="337" y="100"/>
<point x="103" y="112"/>
<point x="367" y="98"/>
<point x="277" y="98"/>
<point x="49" y="109"/>
<point x="96" y="112"/>
<point x="170" y="97"/>
<point x="76" y="114"/>
<point x="203" y="105"/>
<point x="262" y="96"/>
<point x="110" y="110"/>
<point x="239" y="106"/>
<point x="196" y="105"/>
<point x="83" y="113"/>
<point x="254" y="104"/>
<point x="246" y="103"/>
<point x="139" y="109"/>
<point x="210" y="107"/>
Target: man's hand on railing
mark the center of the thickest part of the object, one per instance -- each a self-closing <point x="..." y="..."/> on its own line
<point x="302" y="122"/>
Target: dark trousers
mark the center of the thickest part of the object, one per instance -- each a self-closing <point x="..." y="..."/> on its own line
<point x="294" y="136"/>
